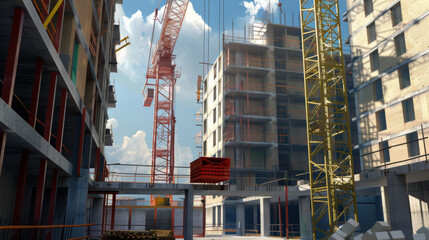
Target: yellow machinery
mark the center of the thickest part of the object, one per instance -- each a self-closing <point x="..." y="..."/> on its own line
<point x="332" y="183"/>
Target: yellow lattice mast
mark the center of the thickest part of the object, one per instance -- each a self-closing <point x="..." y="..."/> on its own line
<point x="333" y="195"/>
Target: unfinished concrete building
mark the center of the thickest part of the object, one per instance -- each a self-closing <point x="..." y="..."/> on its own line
<point x="55" y="62"/>
<point x="254" y="113"/>
<point x="390" y="53"/>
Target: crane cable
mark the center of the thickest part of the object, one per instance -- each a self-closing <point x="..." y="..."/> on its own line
<point x="153" y="33"/>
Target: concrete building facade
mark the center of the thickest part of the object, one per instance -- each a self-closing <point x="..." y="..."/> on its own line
<point x="389" y="61"/>
<point x="254" y="114"/>
<point x="55" y="63"/>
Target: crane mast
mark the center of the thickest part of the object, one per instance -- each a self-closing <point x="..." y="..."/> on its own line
<point x="159" y="87"/>
<point x="332" y="182"/>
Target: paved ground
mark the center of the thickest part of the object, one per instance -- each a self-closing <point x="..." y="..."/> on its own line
<point x="235" y="238"/>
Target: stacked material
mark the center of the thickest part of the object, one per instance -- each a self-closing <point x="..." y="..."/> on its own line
<point x="380" y="231"/>
<point x="422" y="234"/>
<point x="210" y="170"/>
<point x="346" y="231"/>
<point x="158" y="235"/>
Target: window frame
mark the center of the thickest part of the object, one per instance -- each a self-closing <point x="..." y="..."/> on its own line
<point x="406" y="105"/>
<point x="369" y="30"/>
<point x="375" y="64"/>
<point x="393" y="14"/>
<point x="384" y="151"/>
<point x="399" y="43"/>
<point x="381" y="120"/>
<point x="413" y="144"/>
<point x="401" y="77"/>
<point x="366" y="6"/>
<point x="378" y="89"/>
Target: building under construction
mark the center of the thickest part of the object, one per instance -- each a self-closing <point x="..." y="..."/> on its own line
<point x="55" y="62"/>
<point x="56" y="57"/>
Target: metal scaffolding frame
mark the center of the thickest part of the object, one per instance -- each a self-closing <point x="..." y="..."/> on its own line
<point x="332" y="182"/>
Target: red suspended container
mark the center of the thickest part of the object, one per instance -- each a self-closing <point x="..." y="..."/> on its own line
<point x="210" y="170"/>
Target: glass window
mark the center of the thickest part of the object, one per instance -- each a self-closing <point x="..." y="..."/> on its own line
<point x="205" y="126"/>
<point x="400" y="44"/>
<point x="214" y="138"/>
<point x="408" y="110"/>
<point x="205" y="106"/>
<point x="396" y="14"/>
<point x="368" y="7"/>
<point x="214" y="94"/>
<point x="404" y="76"/>
<point x="372" y="35"/>
<point x="214" y="115"/>
<point x="378" y="90"/>
<point x="373" y="58"/>
<point x="219" y="132"/>
<point x="384" y="152"/>
<point x="381" y="120"/>
<point x="413" y="144"/>
<point x="219" y="111"/>
<point x="205" y="85"/>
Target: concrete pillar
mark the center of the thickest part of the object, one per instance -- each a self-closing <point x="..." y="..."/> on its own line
<point x="385" y="204"/>
<point x="305" y="221"/>
<point x="96" y="215"/>
<point x="255" y="217"/>
<point x="77" y="202"/>
<point x="240" y="220"/>
<point x="265" y="217"/>
<point x="188" y="213"/>
<point x="399" y="206"/>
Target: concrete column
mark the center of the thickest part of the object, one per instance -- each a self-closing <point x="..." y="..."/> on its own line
<point x="385" y="204"/>
<point x="265" y="217"/>
<point x="96" y="215"/>
<point x="255" y="217"/>
<point x="399" y="206"/>
<point x="305" y="222"/>
<point x="77" y="202"/>
<point x="188" y="213"/>
<point x="240" y="220"/>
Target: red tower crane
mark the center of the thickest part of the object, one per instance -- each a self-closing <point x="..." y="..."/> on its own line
<point x="160" y="82"/>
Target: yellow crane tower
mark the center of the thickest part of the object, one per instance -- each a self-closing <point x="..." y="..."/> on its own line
<point x="332" y="182"/>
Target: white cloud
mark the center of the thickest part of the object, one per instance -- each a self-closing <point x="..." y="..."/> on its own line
<point x="133" y="150"/>
<point x="254" y="6"/>
<point x="132" y="60"/>
<point x="112" y="123"/>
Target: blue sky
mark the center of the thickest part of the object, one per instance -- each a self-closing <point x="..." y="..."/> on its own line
<point x="132" y="123"/>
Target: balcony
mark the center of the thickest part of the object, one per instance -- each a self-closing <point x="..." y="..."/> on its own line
<point x="112" y="97"/>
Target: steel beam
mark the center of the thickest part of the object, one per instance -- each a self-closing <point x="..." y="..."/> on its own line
<point x="12" y="56"/>
<point x="59" y="27"/>
<point x="36" y="93"/>
<point x="97" y="165"/>
<point x="40" y="192"/>
<point x="81" y="141"/>
<point x="50" y="107"/>
<point x="10" y="70"/>
<point x="112" y="218"/>
<point x="20" y="190"/>
<point x="52" y="202"/>
<point x="61" y="119"/>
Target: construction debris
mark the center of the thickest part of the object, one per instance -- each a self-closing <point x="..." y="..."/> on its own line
<point x="422" y="234"/>
<point x="346" y="231"/>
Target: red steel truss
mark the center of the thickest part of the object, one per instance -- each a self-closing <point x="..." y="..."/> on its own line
<point x="160" y="82"/>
